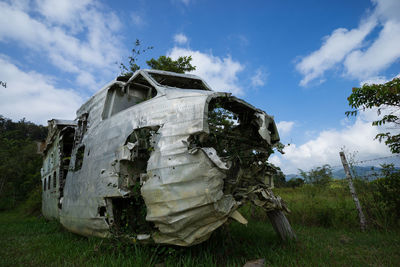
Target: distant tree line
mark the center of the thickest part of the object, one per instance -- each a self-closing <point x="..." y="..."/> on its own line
<point x="19" y="162"/>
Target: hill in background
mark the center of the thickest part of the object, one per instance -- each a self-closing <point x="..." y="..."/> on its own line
<point x="363" y="172"/>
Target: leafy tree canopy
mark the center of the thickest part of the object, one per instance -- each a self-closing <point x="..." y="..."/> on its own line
<point x="181" y="65"/>
<point x="319" y="176"/>
<point x="295" y="182"/>
<point x="19" y="162"/>
<point x="380" y="96"/>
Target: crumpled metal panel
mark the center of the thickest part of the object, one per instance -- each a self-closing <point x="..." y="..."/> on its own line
<point x="184" y="198"/>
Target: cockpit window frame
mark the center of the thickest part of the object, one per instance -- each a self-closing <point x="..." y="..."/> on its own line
<point x="109" y="99"/>
<point x="150" y="74"/>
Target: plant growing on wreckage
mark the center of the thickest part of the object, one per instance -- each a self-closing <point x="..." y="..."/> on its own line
<point x="181" y="65"/>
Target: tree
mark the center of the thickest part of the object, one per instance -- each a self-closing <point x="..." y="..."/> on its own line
<point x="19" y="162"/>
<point x="383" y="97"/>
<point x="279" y="177"/>
<point x="181" y="65"/>
<point x="133" y="59"/>
<point x="319" y="176"/>
<point x="295" y="182"/>
<point x="387" y="189"/>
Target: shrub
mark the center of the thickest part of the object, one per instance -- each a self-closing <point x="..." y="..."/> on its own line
<point x="380" y="199"/>
<point x="385" y="198"/>
<point x="295" y="182"/>
<point x="33" y="204"/>
<point x="320" y="176"/>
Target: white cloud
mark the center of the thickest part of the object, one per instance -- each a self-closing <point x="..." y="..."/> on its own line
<point x="137" y="19"/>
<point x="62" y="11"/>
<point x="325" y="147"/>
<point x="240" y="39"/>
<point x="274" y="159"/>
<point x="86" y="79"/>
<point x="333" y="50"/>
<point x="34" y="96"/>
<point x="387" y="9"/>
<point x="360" y="58"/>
<point x="374" y="80"/>
<point x="180" y="38"/>
<point x="284" y="127"/>
<point x="219" y="73"/>
<point x="259" y="78"/>
<point x="76" y="36"/>
<point x="384" y="51"/>
<point x="186" y="2"/>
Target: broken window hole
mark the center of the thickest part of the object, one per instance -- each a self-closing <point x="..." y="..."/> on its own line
<point x="178" y="82"/>
<point x="54" y="180"/>
<point x="130" y="216"/>
<point x="234" y="134"/>
<point x="79" y="158"/>
<point x="102" y="211"/>
<point x="121" y="97"/>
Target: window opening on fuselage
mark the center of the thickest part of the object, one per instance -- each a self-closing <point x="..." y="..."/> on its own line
<point x="119" y="99"/>
<point x="79" y="158"/>
<point x="178" y="81"/>
<point x="54" y="180"/>
<point x="49" y="182"/>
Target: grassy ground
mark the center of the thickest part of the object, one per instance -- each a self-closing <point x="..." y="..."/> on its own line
<point x="316" y="206"/>
<point x="32" y="241"/>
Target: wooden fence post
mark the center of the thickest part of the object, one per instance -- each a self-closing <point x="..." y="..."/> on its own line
<point x="353" y="191"/>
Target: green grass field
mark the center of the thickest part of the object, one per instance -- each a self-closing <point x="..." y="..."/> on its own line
<point x="33" y="241"/>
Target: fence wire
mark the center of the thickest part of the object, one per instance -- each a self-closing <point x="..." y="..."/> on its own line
<point x="376" y="171"/>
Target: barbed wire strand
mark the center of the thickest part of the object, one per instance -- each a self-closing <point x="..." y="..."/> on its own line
<point x="368" y="160"/>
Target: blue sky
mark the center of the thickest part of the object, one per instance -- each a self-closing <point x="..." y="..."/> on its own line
<point x="297" y="60"/>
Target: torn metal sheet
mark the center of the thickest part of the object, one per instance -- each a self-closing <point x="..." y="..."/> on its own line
<point x="159" y="157"/>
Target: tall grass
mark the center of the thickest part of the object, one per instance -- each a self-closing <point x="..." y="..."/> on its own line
<point x="32" y="241"/>
<point x="329" y="206"/>
<point x="333" y="206"/>
<point x="324" y="219"/>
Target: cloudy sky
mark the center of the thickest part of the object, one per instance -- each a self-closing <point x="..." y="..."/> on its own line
<point x="297" y="60"/>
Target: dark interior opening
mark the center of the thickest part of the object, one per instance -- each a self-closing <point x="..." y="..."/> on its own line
<point x="66" y="144"/>
<point x="130" y="213"/>
<point x="233" y="130"/>
<point x="233" y="133"/>
<point x="178" y="82"/>
<point x="130" y="216"/>
<point x="54" y="180"/>
<point x="102" y="211"/>
<point x="80" y="154"/>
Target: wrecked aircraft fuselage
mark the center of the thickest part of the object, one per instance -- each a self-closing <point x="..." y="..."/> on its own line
<point x="160" y="157"/>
